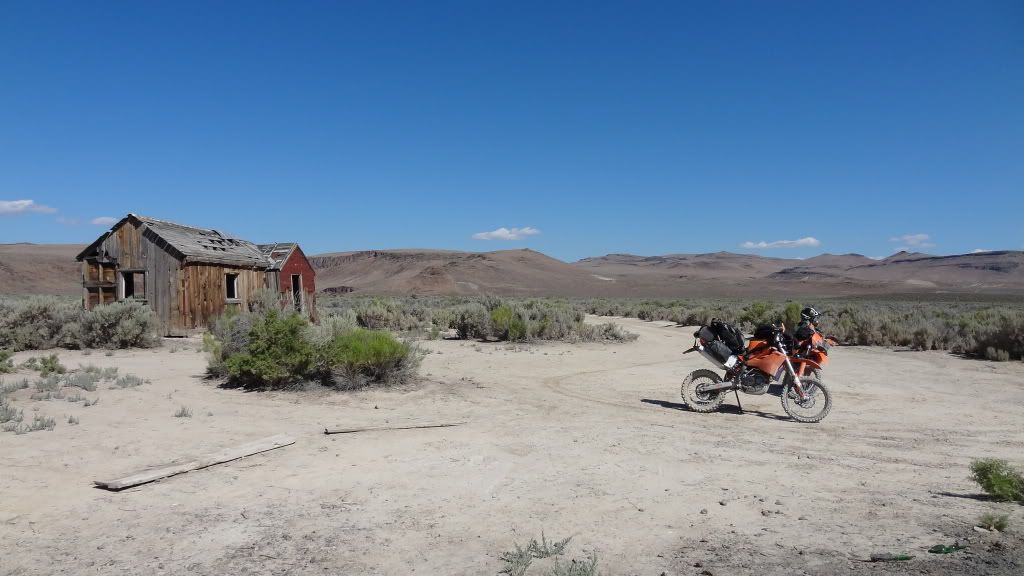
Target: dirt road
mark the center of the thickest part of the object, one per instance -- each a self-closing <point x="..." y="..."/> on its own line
<point x="589" y="440"/>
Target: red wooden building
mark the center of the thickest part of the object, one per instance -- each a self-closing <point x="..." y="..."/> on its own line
<point x="295" y="277"/>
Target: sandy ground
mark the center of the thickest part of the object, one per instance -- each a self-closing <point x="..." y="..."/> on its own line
<point x="588" y="440"/>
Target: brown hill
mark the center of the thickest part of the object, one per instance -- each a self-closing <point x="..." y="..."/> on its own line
<point x="512" y="272"/>
<point x="51" y="269"/>
<point x="40" y="269"/>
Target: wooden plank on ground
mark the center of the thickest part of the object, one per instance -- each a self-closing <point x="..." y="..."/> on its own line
<point x="378" y="428"/>
<point x="226" y="455"/>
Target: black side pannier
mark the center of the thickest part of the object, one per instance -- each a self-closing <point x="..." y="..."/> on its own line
<point x="705" y="334"/>
<point x="730" y="335"/>
<point x="719" y="350"/>
<point x="764" y="332"/>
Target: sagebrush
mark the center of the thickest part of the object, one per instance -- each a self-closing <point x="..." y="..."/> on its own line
<point x="999" y="479"/>
<point x="41" y="323"/>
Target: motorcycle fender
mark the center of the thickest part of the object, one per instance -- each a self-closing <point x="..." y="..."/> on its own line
<point x="798" y="361"/>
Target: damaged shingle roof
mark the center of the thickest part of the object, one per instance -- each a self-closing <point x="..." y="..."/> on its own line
<point x="277" y="253"/>
<point x="192" y="244"/>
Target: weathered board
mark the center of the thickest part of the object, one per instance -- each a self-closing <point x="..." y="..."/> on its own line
<point x="226" y="455"/>
<point x="380" y="428"/>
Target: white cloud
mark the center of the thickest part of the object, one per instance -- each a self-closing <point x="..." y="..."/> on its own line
<point x="507" y="234"/>
<point x="104" y="221"/>
<point x="801" y="243"/>
<point x="8" y="207"/>
<point x="980" y="250"/>
<point x="913" y="241"/>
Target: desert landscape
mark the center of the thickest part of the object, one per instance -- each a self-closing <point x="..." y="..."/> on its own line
<point x="585" y="440"/>
<point x="51" y="269"/>
<point x="511" y="288"/>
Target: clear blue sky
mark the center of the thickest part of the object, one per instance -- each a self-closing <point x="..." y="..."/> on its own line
<point x="638" y="127"/>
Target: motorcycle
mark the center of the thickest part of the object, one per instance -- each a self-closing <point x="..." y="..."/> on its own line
<point x="811" y="344"/>
<point x="765" y="361"/>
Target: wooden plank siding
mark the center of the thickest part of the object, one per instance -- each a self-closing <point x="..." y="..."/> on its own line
<point x="202" y="293"/>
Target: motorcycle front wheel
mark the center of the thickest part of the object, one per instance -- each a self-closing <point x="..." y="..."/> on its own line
<point x="702" y="401"/>
<point x="814" y="408"/>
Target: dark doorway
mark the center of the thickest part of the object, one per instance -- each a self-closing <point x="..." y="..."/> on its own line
<point x="134" y="285"/>
<point x="297" y="291"/>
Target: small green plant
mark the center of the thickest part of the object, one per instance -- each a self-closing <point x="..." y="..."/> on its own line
<point x="8" y="387"/>
<point x="518" y="561"/>
<point x="92" y="402"/>
<point x="128" y="381"/>
<point x="84" y="380"/>
<point x="990" y="521"/>
<point x="575" y="567"/>
<point x="50" y="383"/>
<point x="51" y="365"/>
<point x="76" y="397"/>
<point x="38" y="423"/>
<point x="6" y="364"/>
<point x="8" y="413"/>
<point x="72" y="420"/>
<point x="183" y="412"/>
<point x="998" y="479"/>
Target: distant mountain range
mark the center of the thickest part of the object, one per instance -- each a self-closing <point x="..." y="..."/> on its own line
<point x="51" y="269"/>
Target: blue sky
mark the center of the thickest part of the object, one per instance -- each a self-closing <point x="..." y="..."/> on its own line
<point x="580" y="128"/>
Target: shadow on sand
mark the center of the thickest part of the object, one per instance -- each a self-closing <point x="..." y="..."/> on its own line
<point x="725" y="408"/>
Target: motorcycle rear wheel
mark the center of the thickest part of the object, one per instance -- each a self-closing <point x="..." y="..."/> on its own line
<point x="702" y="401"/>
<point x="810" y="411"/>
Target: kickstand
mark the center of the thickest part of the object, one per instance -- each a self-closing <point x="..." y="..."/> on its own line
<point x="738" y="400"/>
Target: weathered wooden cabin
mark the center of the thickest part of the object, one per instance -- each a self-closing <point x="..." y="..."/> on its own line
<point x="292" y="275"/>
<point x="187" y="275"/>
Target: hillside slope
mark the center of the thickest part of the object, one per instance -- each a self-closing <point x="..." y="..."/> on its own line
<point x="40" y="269"/>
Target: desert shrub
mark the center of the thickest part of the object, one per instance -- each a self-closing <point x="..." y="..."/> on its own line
<point x="126" y="324"/>
<point x="471" y="321"/>
<point x="8" y="387"/>
<point x="84" y="380"/>
<point x="6" y="364"/>
<point x="791" y="315"/>
<point x="41" y="323"/>
<point x="330" y="326"/>
<point x="517" y="562"/>
<point x="36" y="323"/>
<point x="183" y="412"/>
<point x="990" y="521"/>
<point x="8" y="413"/>
<point x="998" y="479"/>
<point x="128" y="381"/>
<point x="45" y="365"/>
<point x="38" y="423"/>
<point x="49" y="383"/>
<point x="277" y="353"/>
<point x="363" y="357"/>
<point x="608" y="332"/>
<point x="509" y="324"/>
<point x="227" y="336"/>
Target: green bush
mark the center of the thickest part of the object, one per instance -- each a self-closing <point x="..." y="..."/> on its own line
<point x="509" y="324"/>
<point x="276" y="353"/>
<point x="361" y="357"/>
<point x="6" y="364"/>
<point x="998" y="479"/>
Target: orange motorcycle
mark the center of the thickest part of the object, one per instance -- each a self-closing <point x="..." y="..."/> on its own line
<point x="765" y="361"/>
<point x="811" y="344"/>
